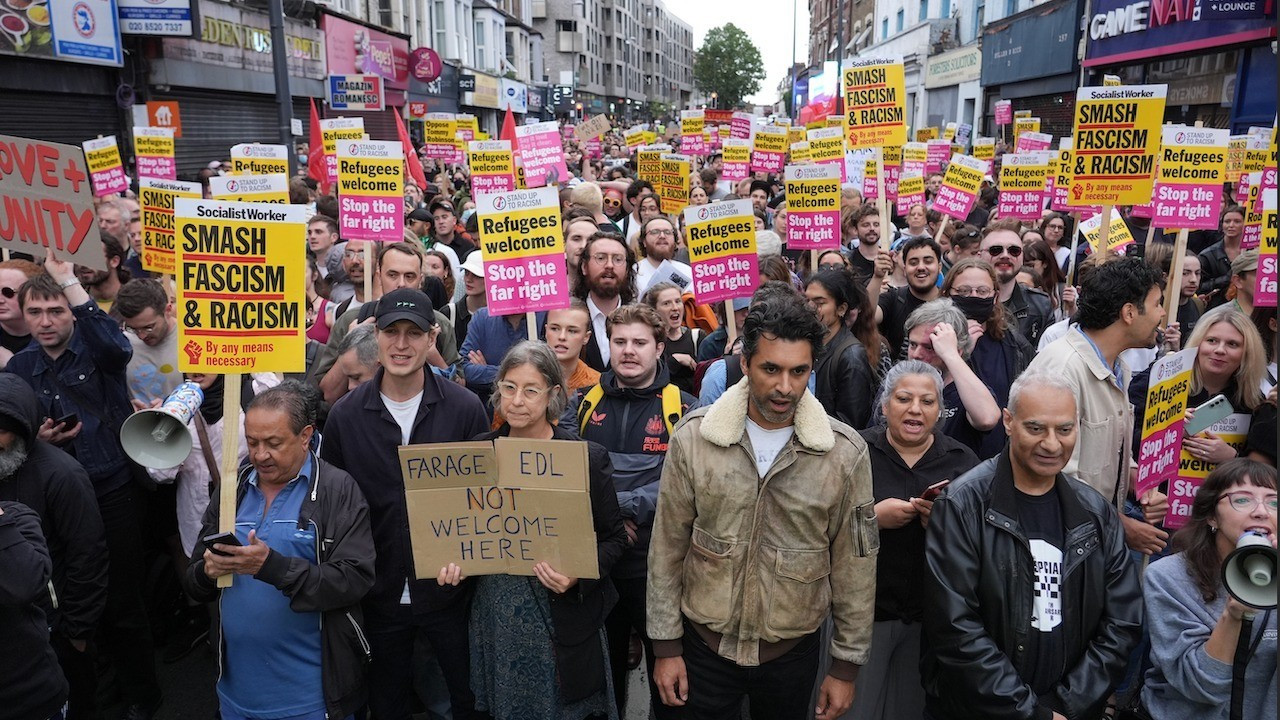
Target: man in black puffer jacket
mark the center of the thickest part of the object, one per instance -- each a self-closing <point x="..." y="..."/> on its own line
<point x="31" y="686"/>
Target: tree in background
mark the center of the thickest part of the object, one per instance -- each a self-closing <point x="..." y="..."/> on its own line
<point x="729" y="65"/>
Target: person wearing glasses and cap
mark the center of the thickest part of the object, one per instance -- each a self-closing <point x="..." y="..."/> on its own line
<point x="1002" y="247"/>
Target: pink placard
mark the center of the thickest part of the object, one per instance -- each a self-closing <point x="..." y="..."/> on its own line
<point x="491" y="183"/>
<point x="735" y="171"/>
<point x="813" y="228"/>
<point x="111" y="180"/>
<point x="1021" y="204"/>
<point x="1264" y="293"/>
<point x="939" y="151"/>
<point x="1143" y="211"/>
<point x="526" y="284"/>
<point x="740" y="126"/>
<point x="1004" y="112"/>
<point x="891" y="175"/>
<point x="157" y="166"/>
<point x="1170" y="383"/>
<point x="594" y="149"/>
<point x="763" y="161"/>
<point x="725" y="278"/>
<point x="1190" y="206"/>
<point x="954" y="202"/>
<point x="541" y="152"/>
<point x="693" y="144"/>
<point x="904" y="203"/>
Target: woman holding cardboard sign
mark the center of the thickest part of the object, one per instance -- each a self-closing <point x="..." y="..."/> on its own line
<point x="538" y="648"/>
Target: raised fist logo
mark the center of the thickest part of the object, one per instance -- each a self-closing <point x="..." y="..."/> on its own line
<point x="1076" y="192"/>
<point x="193" y="351"/>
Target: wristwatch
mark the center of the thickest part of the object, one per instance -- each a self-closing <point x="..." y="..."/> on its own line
<point x="68" y="283"/>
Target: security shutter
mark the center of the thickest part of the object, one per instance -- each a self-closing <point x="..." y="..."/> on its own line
<point x="60" y="117"/>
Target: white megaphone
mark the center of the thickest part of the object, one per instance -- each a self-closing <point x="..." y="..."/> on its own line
<point x="158" y="437"/>
<point x="1249" y="572"/>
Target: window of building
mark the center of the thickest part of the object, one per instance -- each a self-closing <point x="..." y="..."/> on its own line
<point x="979" y="10"/>
<point x="1010" y="7"/>
<point x="439" y="30"/>
<point x="901" y="20"/>
<point x="924" y="10"/>
<point x="946" y="9"/>
<point x="481" y="44"/>
<point x="884" y="28"/>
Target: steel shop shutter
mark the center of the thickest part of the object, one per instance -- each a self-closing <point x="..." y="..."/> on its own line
<point x="213" y="121"/>
<point x="61" y="117"/>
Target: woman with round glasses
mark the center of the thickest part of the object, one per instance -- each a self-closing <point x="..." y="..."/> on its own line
<point x="537" y="643"/>
<point x="1194" y="622"/>
<point x="1053" y="228"/>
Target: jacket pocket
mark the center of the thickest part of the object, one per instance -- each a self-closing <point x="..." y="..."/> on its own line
<point x="801" y="593"/>
<point x="362" y="643"/>
<point x="1094" y="454"/>
<point x="708" y="578"/>
<point x="866" y="532"/>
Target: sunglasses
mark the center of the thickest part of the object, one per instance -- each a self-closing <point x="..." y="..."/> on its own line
<point x="8" y="292"/>
<point x="1012" y="250"/>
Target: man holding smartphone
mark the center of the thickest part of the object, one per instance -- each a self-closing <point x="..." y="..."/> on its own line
<point x="77" y="367"/>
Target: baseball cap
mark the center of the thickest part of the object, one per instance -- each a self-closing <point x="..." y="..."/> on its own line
<point x="420" y="213"/>
<point x="405" y="304"/>
<point x="440" y="203"/>
<point x="474" y="263"/>
<point x="741" y="303"/>
<point x="760" y="185"/>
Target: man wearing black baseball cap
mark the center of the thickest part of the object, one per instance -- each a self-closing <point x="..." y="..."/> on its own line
<point x="445" y="230"/>
<point x="405" y="403"/>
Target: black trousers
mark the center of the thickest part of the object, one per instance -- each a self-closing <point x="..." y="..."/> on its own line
<point x="124" y="635"/>
<point x="628" y="614"/>
<point x="777" y="690"/>
<point x="392" y="633"/>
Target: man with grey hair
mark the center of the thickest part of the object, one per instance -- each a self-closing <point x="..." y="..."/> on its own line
<point x="938" y="334"/>
<point x="358" y="357"/>
<point x="1031" y="603"/>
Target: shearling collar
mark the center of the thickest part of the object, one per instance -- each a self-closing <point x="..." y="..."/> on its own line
<point x="726" y="420"/>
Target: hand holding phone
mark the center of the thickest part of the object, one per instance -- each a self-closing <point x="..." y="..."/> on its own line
<point x="1202" y="418"/>
<point x="222" y="538"/>
<point x="932" y="492"/>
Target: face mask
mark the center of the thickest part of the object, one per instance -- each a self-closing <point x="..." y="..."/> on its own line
<point x="975" y="308"/>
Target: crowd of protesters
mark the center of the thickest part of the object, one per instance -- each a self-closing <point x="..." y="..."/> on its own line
<point x="896" y="482"/>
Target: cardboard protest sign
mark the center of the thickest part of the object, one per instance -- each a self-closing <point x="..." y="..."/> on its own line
<point x="1115" y="143"/>
<point x="1264" y="293"/>
<point x="915" y="158"/>
<point x="106" y="171"/>
<point x="826" y="145"/>
<point x="960" y="186"/>
<point x="272" y="188"/>
<point x="1188" y="187"/>
<point x="984" y="148"/>
<point x="691" y="140"/>
<point x="241" y="290"/>
<point x="1031" y="141"/>
<point x="1004" y="112"/>
<point x="541" y="153"/>
<point x="813" y="207"/>
<point x="1024" y="124"/>
<point x="1024" y="181"/>
<point x="524" y="263"/>
<point x="937" y="153"/>
<point x="255" y="159"/>
<point x="910" y="193"/>
<point x="492" y="167"/>
<point x="800" y="153"/>
<point x="439" y="136"/>
<point x="673" y="186"/>
<point x="331" y="131"/>
<point x="649" y="163"/>
<point x="740" y="126"/>
<point x="1162" y="422"/>
<point x="371" y="190"/>
<point x="153" y="153"/>
<point x="593" y="128"/>
<point x="875" y="102"/>
<point x="500" y="507"/>
<point x="633" y="137"/>
<point x="1234" y="430"/>
<point x="924" y="135"/>
<point x="156" y="198"/>
<point x="1118" y="235"/>
<point x="722" y="250"/>
<point x="736" y="156"/>
<point x="46" y="201"/>
<point x="855" y="167"/>
<point x="769" y="149"/>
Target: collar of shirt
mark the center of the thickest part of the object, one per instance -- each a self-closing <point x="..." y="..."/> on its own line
<point x="599" y="330"/>
<point x="1116" y="372"/>
<point x="303" y="473"/>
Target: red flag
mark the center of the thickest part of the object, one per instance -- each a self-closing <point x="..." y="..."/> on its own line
<point x="411" y="160"/>
<point x="509" y="128"/>
<point x="315" y="152"/>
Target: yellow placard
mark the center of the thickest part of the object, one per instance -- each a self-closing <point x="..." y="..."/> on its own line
<point x="490" y="161"/>
<point x="528" y="226"/>
<point x="153" y="145"/>
<point x="1235" y="155"/>
<point x="693" y="124"/>
<point x="103" y="158"/>
<point x="826" y="145"/>
<point x="371" y="174"/>
<point x="156" y="198"/>
<point x="272" y="188"/>
<point x="633" y="137"/>
<point x="949" y="132"/>
<point x="1115" y="142"/>
<point x="717" y="231"/>
<point x="927" y="134"/>
<point x="984" y="148"/>
<point x="736" y="152"/>
<point x="673" y="184"/>
<point x="875" y="103"/>
<point x="801" y="153"/>
<point x="255" y="159"/>
<point x="771" y="139"/>
<point x="1024" y="124"/>
<point x="241" y="287"/>
<point x="1118" y="235"/>
<point x="649" y="163"/>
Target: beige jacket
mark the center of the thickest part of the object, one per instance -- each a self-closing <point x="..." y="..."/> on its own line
<point x="764" y="560"/>
<point x="1104" y="446"/>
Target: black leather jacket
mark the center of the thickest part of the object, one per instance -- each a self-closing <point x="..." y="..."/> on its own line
<point x="1033" y="310"/>
<point x="979" y="598"/>
<point x="845" y="383"/>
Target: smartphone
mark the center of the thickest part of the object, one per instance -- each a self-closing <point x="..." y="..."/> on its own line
<point x="1217" y="408"/>
<point x="932" y="492"/>
<point x="67" y="421"/>
<point x="224" y="538"/>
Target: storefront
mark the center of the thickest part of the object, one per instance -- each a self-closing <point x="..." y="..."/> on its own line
<point x="440" y="95"/>
<point x="484" y="102"/>
<point x="1030" y="59"/>
<point x="952" y="80"/>
<point x="352" y="47"/>
<point x="68" y="95"/>
<point x="224" y="85"/>
<point x="912" y="45"/>
<point x="1219" y="64"/>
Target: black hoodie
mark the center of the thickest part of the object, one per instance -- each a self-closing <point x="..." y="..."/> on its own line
<point x="57" y="488"/>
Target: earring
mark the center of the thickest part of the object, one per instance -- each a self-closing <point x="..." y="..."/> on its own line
<point x="1213" y="528"/>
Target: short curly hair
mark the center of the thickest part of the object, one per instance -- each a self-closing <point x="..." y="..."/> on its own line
<point x="782" y="318"/>
<point x="1112" y="285"/>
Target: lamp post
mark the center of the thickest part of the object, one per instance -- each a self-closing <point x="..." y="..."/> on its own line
<point x="713" y="99"/>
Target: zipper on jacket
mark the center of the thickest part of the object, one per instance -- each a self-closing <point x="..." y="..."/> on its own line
<point x="364" y="643"/>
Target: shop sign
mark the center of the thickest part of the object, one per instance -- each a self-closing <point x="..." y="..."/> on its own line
<point x="82" y="31"/>
<point x="425" y="64"/>
<point x="487" y="92"/>
<point x="1122" y="31"/>
<point x="239" y="38"/>
<point x="351" y="48"/>
<point x="514" y="95"/>
<point x="466" y="83"/>
<point x="155" y="17"/>
<point x="953" y="68"/>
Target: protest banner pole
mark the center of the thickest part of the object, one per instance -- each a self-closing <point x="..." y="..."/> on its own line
<point x="368" y="271"/>
<point x="1173" y="285"/>
<point x="230" y="467"/>
<point x="942" y="228"/>
<point x="730" y="326"/>
<point x="531" y="321"/>
<point x="1151" y="234"/>
<point x="881" y="206"/>
<point x="1104" y="230"/>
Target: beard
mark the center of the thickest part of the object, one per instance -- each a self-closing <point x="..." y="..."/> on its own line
<point x="93" y="278"/>
<point x="13" y="458"/>
<point x="605" y="286"/>
<point x="769" y="414"/>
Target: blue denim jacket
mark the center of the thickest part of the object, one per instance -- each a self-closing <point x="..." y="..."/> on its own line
<point x="92" y="369"/>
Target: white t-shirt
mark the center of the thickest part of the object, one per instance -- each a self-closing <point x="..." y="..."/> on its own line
<point x="153" y="371"/>
<point x="767" y="444"/>
<point x="404" y="413"/>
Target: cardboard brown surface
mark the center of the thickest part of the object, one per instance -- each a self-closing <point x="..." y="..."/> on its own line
<point x="500" y="507"/>
<point x="46" y="201"/>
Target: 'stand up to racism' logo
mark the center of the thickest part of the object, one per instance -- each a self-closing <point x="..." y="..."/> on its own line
<point x="232" y="185"/>
<point x="703" y="213"/>
<point x="500" y="203"/>
<point x="1180" y="137"/>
